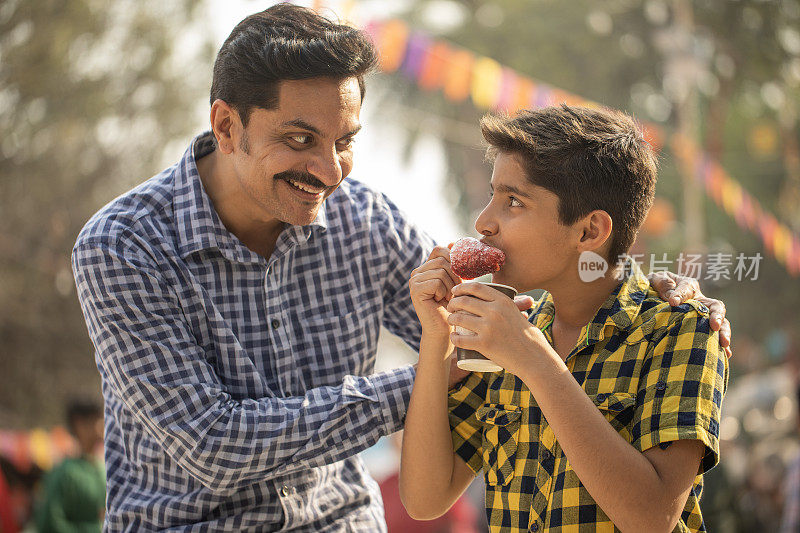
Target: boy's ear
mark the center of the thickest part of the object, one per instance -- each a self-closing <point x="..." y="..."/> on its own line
<point x="596" y="231"/>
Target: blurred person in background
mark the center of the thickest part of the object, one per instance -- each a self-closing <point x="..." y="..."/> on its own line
<point x="22" y="483"/>
<point x="73" y="498"/>
<point x="790" y="520"/>
<point x="8" y="521"/>
<point x="235" y="301"/>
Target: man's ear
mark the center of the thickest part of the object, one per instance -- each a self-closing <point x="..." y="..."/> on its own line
<point x="595" y="231"/>
<point x="223" y="120"/>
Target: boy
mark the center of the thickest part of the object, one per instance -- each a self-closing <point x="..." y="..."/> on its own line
<point x="607" y="413"/>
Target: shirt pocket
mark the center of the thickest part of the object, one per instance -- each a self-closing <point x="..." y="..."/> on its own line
<point x="501" y="424"/>
<point x="327" y="346"/>
<point x="618" y="408"/>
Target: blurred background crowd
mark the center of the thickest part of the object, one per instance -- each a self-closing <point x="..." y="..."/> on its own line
<point x="97" y="96"/>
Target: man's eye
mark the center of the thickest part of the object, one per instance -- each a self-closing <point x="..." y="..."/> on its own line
<point x="301" y="139"/>
<point x="344" y="144"/>
<point x="490" y="194"/>
<point x="513" y="202"/>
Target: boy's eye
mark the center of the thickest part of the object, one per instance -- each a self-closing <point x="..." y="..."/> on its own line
<point x="490" y="194"/>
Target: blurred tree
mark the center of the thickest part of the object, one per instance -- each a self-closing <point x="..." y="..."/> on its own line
<point x="93" y="96"/>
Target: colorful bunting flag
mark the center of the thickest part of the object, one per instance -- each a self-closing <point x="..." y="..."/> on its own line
<point x="487" y="75"/>
<point x="459" y="73"/>
<point x="433" y="68"/>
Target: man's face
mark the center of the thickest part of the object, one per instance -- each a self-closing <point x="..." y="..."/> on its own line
<point x="522" y="220"/>
<point x="294" y="156"/>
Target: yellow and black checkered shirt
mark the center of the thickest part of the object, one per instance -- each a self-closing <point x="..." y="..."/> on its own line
<point x="656" y="372"/>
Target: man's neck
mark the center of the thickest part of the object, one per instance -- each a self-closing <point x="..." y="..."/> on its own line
<point x="235" y="208"/>
<point x="576" y="303"/>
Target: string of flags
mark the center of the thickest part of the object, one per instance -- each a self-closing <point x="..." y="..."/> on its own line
<point x="38" y="447"/>
<point x="779" y="240"/>
<point x="435" y="64"/>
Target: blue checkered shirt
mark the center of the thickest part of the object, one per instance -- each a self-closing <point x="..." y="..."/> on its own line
<point x="238" y="389"/>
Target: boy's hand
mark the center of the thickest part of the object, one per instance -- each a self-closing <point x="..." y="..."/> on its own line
<point x="502" y="333"/>
<point x="431" y="287"/>
<point x="676" y="289"/>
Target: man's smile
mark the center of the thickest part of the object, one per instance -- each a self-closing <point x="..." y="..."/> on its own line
<point x="304" y="191"/>
<point x="306" y="188"/>
<point x="302" y="184"/>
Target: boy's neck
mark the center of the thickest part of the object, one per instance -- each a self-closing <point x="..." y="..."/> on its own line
<point x="576" y="303"/>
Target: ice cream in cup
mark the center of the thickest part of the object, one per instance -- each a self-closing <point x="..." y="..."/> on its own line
<point x="471" y="258"/>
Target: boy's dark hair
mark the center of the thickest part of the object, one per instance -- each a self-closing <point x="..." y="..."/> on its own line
<point x="82" y="410"/>
<point x="286" y="42"/>
<point x="589" y="158"/>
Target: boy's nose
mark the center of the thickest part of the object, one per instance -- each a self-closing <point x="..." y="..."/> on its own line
<point x="485" y="223"/>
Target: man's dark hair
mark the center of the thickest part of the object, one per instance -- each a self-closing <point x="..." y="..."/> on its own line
<point x="589" y="158"/>
<point x="286" y="42"/>
<point x="82" y="410"/>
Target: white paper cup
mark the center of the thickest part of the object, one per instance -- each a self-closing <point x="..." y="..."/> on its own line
<point x="475" y="361"/>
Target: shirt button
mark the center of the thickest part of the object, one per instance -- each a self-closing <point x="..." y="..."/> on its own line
<point x="661" y="385"/>
<point x="285" y="490"/>
<point x="534" y="527"/>
<point x="602" y="397"/>
<point x="276" y="323"/>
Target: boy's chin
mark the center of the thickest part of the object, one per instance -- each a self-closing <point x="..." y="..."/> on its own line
<point x="521" y="285"/>
<point x="498" y="277"/>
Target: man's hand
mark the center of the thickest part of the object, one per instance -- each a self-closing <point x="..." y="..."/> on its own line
<point x="676" y="289"/>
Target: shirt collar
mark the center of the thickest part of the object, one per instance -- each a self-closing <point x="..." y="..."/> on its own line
<point x="198" y="225"/>
<point x="618" y="311"/>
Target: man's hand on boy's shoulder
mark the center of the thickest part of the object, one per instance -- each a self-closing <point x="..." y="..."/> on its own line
<point x="676" y="289"/>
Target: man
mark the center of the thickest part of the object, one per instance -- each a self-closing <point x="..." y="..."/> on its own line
<point x="235" y="301"/>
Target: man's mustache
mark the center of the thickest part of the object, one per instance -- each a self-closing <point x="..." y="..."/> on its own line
<point x="301" y="177"/>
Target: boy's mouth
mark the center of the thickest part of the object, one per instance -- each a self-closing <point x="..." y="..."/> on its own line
<point x="487" y="243"/>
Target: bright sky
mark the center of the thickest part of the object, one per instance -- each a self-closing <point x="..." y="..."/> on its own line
<point x="417" y="186"/>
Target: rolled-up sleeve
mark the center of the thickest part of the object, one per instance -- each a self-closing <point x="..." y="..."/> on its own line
<point x="681" y="392"/>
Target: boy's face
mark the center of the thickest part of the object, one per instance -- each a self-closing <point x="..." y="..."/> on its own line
<point x="522" y="220"/>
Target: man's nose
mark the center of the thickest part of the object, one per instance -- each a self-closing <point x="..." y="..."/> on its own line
<point x="326" y="166"/>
